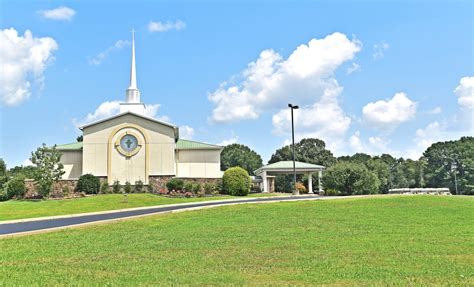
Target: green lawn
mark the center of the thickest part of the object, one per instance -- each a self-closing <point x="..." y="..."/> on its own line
<point x="18" y="209"/>
<point x="403" y="241"/>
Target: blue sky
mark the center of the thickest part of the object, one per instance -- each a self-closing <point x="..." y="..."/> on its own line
<point x="370" y="76"/>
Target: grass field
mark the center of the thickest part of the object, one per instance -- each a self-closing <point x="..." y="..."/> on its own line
<point x="410" y="240"/>
<point x="19" y="209"/>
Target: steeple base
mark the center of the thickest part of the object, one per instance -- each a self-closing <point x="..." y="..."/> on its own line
<point x="137" y="108"/>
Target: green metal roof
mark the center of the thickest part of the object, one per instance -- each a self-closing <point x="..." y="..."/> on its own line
<point x="181" y="144"/>
<point x="288" y="164"/>
<point x="70" y="146"/>
<point x="187" y="144"/>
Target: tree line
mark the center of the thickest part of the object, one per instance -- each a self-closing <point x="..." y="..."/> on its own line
<point x="444" y="164"/>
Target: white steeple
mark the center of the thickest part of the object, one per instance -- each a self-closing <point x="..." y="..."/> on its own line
<point x="133" y="94"/>
<point x="132" y="99"/>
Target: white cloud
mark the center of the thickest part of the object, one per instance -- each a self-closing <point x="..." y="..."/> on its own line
<point x="424" y="138"/>
<point x="378" y="145"/>
<point x="24" y="60"/>
<point x="164" y="27"/>
<point x="104" y="110"/>
<point x="427" y="136"/>
<point x="229" y="141"/>
<point x="324" y="120"/>
<point x="465" y="93"/>
<point x="120" y="44"/>
<point x="60" y="13"/>
<point x="356" y="143"/>
<point x="271" y="82"/>
<point x="374" y="145"/>
<point x="353" y="68"/>
<point x="186" y="132"/>
<point x="379" y="50"/>
<point x="435" y="111"/>
<point x="389" y="114"/>
<point x="112" y="108"/>
<point x="27" y="162"/>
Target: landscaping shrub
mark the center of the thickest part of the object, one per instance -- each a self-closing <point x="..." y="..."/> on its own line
<point x="301" y="188"/>
<point x="3" y="195"/>
<point x="188" y="186"/>
<point x="151" y="187"/>
<point x="236" y="181"/>
<point x="284" y="183"/>
<point x="138" y="186"/>
<point x="200" y="193"/>
<point x="15" y="187"/>
<point x="104" y="187"/>
<point x="88" y="184"/>
<point x="196" y="187"/>
<point x="66" y="190"/>
<point x="331" y="192"/>
<point x="219" y="187"/>
<point x="256" y="189"/>
<point x="116" y="186"/>
<point x="175" y="184"/>
<point x="209" y="187"/>
<point x="127" y="188"/>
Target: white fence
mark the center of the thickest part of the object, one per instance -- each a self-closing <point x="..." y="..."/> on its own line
<point x="435" y="191"/>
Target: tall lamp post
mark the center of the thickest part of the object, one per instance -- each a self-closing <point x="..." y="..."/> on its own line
<point x="293" y="107"/>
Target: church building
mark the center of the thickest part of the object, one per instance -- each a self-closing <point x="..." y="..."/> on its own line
<point x="131" y="146"/>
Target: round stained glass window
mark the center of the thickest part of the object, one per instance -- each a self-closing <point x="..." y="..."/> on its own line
<point x="128" y="143"/>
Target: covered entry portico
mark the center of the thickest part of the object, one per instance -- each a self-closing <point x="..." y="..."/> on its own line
<point x="268" y="172"/>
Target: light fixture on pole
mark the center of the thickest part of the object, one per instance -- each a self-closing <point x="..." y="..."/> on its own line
<point x="293" y="107"/>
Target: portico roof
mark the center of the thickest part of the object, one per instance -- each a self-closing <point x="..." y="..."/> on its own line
<point x="286" y="167"/>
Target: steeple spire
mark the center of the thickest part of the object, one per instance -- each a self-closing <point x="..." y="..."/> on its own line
<point x="132" y="93"/>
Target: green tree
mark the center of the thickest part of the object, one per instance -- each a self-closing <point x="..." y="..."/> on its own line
<point x="388" y="159"/>
<point x="80" y="138"/>
<point x="375" y="164"/>
<point x="350" y="178"/>
<point x="3" y="173"/>
<point x="240" y="155"/>
<point x="3" y="167"/>
<point x="48" y="167"/>
<point x="382" y="171"/>
<point x="413" y="170"/>
<point x="444" y="160"/>
<point x="25" y="171"/>
<point x="308" y="150"/>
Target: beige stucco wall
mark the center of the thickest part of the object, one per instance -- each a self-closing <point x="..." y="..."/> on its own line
<point x="198" y="163"/>
<point x="157" y="152"/>
<point x="72" y="161"/>
<point x="132" y="168"/>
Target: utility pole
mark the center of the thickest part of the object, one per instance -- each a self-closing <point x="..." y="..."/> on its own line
<point x="454" y="168"/>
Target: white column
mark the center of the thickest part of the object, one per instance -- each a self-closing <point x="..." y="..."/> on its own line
<point x="310" y="183"/>
<point x="265" y="182"/>
<point x="320" y="174"/>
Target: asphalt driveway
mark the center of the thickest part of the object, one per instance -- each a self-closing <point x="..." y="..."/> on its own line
<point x="38" y="225"/>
